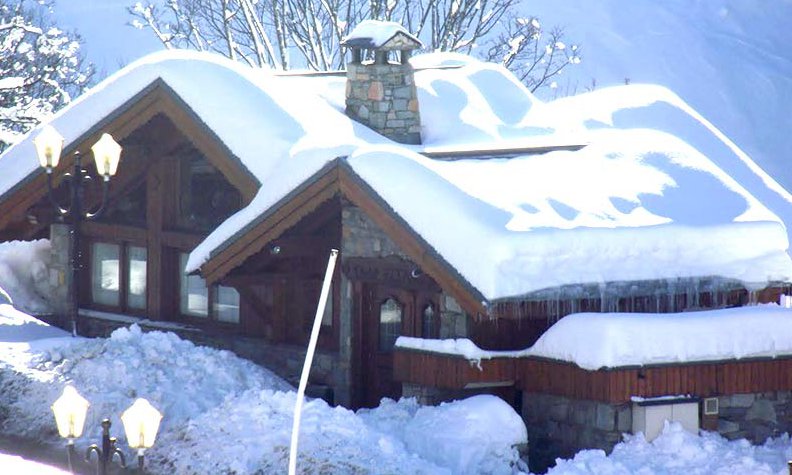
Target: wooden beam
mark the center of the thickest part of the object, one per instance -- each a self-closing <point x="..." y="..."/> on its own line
<point x="114" y="232"/>
<point x="283" y="218"/>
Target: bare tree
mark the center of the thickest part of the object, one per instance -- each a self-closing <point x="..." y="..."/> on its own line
<point x="270" y="32"/>
<point x="40" y="67"/>
<point x="533" y="55"/>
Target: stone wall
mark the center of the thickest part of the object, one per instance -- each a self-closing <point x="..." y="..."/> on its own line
<point x="560" y="427"/>
<point x="755" y="416"/>
<point x="59" y="275"/>
<point x="363" y="238"/>
<point x="384" y="97"/>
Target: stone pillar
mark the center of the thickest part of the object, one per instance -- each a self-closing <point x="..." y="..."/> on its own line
<point x="384" y="98"/>
<point x="59" y="275"/>
<point x="343" y="370"/>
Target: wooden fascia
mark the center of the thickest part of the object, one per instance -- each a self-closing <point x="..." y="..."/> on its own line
<point x="411" y="243"/>
<point x="156" y="98"/>
<point x="273" y="223"/>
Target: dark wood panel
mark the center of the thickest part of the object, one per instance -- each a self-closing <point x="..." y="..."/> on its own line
<point x="706" y="379"/>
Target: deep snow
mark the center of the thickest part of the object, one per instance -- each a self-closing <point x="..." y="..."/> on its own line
<point x="195" y="387"/>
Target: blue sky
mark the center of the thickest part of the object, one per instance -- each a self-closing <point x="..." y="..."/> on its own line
<point x="109" y="42"/>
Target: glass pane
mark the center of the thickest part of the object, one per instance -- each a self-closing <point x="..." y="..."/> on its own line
<point x="194" y="293"/>
<point x="226" y="304"/>
<point x="136" y="268"/>
<point x="105" y="276"/>
<point x="390" y="324"/>
<point x="428" y="323"/>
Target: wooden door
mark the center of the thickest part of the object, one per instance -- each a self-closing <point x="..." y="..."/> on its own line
<point x="387" y="313"/>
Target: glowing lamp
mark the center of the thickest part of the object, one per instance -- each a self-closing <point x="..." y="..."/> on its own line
<point x="106" y="153"/>
<point x="141" y="423"/>
<point x="49" y="144"/>
<point x="70" y="410"/>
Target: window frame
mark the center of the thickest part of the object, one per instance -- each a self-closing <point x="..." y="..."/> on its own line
<point x="211" y="297"/>
<point x="123" y="306"/>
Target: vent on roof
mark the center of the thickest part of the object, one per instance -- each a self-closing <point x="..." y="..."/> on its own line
<point x="381" y="93"/>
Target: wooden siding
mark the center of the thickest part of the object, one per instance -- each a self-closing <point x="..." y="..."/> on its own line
<point x="706" y="379"/>
<point x="449" y="372"/>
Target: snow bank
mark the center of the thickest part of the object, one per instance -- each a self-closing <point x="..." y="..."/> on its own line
<point x="607" y="340"/>
<point x="179" y="378"/>
<point x="195" y="387"/>
<point x="24" y="274"/>
<point x="473" y="436"/>
<point x="678" y="451"/>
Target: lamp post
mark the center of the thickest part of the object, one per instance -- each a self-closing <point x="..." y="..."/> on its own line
<point x="141" y="423"/>
<point x="107" y="153"/>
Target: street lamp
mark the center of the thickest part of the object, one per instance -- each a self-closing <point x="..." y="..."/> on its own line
<point x="107" y="153"/>
<point x="141" y="423"/>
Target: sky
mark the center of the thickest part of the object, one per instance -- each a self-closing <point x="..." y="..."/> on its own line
<point x="109" y="42"/>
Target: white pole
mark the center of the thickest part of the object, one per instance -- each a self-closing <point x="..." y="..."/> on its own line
<point x="328" y="278"/>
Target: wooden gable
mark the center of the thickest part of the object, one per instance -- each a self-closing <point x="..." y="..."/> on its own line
<point x="338" y="179"/>
<point x="158" y="99"/>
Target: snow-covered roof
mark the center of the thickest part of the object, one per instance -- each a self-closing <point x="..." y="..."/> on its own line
<point x="608" y="340"/>
<point x="378" y="34"/>
<point x="658" y="193"/>
<point x="594" y="341"/>
<point x="259" y="117"/>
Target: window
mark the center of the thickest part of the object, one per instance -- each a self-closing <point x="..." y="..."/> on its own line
<point x="195" y="297"/>
<point x="115" y="267"/>
<point x="136" y="277"/>
<point x="390" y="324"/>
<point x="206" y="198"/>
<point x="105" y="274"/>
<point x="226" y="304"/>
<point x="194" y="293"/>
<point x="429" y="322"/>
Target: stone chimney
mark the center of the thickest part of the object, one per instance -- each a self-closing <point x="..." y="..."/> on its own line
<point x="380" y="93"/>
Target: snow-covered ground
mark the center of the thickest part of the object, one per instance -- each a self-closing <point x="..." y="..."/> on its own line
<point x="12" y="464"/>
<point x="197" y="386"/>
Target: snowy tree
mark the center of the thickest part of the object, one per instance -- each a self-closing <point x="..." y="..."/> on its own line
<point x="535" y="56"/>
<point x="40" y="67"/>
<point x="307" y="33"/>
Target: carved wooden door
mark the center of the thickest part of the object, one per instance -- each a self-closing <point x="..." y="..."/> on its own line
<point x="388" y="312"/>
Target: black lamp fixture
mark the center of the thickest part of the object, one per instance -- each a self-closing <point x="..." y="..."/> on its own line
<point x="141" y="423"/>
<point x="107" y="153"/>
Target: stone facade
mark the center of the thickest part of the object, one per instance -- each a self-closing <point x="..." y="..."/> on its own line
<point x="59" y="275"/>
<point x="755" y="416"/>
<point x="384" y="98"/>
<point x="560" y="427"/>
<point x="363" y="238"/>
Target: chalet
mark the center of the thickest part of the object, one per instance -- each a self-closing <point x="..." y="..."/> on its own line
<point x="470" y="218"/>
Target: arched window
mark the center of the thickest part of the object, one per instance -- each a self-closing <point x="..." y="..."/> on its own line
<point x="390" y="324"/>
<point x="429" y="323"/>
